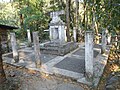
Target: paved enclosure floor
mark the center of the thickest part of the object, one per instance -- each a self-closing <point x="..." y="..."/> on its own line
<point x="71" y="65"/>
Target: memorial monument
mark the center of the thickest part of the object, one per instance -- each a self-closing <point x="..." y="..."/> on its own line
<point x="57" y="34"/>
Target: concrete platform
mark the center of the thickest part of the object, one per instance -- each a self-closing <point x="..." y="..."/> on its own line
<point x="70" y="65"/>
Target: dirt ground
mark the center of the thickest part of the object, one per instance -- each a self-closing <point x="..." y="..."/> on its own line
<point x="112" y="69"/>
<point x="24" y="79"/>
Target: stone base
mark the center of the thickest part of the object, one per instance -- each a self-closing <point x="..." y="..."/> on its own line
<point x="57" y="48"/>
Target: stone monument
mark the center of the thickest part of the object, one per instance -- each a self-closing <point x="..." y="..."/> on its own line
<point x="57" y="28"/>
<point x="57" y="34"/>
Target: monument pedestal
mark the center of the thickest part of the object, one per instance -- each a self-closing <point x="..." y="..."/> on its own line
<point x="58" y="48"/>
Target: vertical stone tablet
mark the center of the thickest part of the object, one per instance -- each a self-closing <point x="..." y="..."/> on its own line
<point x="89" y="55"/>
<point x="29" y="35"/>
<point x="36" y="49"/>
<point x="74" y="34"/>
<point x="104" y="42"/>
<point x="14" y="47"/>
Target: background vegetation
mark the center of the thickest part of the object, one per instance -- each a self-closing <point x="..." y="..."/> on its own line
<point x="84" y="15"/>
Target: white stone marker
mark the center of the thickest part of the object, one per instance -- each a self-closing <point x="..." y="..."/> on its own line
<point x="109" y="39"/>
<point x="36" y="49"/>
<point x="14" y="47"/>
<point x="116" y="40"/>
<point x="74" y="34"/>
<point x="89" y="55"/>
<point x="29" y="35"/>
<point x="104" y="41"/>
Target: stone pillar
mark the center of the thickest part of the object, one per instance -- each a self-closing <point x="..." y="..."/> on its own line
<point x="36" y="49"/>
<point x="116" y="40"/>
<point x="104" y="42"/>
<point x="14" y="47"/>
<point x="89" y="55"/>
<point x="50" y="34"/>
<point x="65" y="34"/>
<point x="62" y="34"/>
<point x="74" y="34"/>
<point x="109" y="39"/>
<point x="29" y="36"/>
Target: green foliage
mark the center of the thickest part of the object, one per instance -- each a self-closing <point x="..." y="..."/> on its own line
<point x="104" y="13"/>
<point x="94" y="14"/>
<point x="8" y="14"/>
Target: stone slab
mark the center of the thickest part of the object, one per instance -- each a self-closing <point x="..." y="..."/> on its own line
<point x="72" y="64"/>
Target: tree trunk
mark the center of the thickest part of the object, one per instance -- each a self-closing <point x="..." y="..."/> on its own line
<point x="2" y="73"/>
<point x="96" y="32"/>
<point x="68" y="20"/>
<point x="84" y="18"/>
<point x="77" y="14"/>
<point x="95" y="26"/>
<point x="21" y="20"/>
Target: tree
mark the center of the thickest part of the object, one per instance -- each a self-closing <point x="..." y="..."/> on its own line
<point x="8" y="14"/>
<point x="77" y="15"/>
<point x="68" y="19"/>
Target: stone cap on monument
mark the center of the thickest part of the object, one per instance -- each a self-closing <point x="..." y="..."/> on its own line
<point x="56" y="19"/>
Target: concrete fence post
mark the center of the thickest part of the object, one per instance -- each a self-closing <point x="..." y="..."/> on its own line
<point x="29" y="35"/>
<point x="89" y="55"/>
<point x="36" y="49"/>
<point x="104" y="42"/>
<point x="74" y="34"/>
<point x="14" y="47"/>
